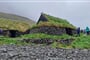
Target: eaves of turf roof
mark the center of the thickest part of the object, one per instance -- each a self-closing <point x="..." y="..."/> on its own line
<point x="57" y="21"/>
<point x="13" y="25"/>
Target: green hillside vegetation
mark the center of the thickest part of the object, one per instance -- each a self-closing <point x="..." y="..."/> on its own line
<point x="8" y="40"/>
<point x="54" y="21"/>
<point x="81" y="42"/>
<point x="42" y="36"/>
<point x="7" y="24"/>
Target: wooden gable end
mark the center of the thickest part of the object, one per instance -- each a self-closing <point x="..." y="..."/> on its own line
<point x="42" y="18"/>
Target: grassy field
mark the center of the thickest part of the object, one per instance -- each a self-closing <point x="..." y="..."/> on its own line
<point x="82" y="41"/>
<point x="79" y="42"/>
<point x="8" y="40"/>
<point x="42" y="35"/>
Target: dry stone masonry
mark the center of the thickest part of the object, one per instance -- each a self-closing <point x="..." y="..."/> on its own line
<point x="48" y="41"/>
<point x="13" y="52"/>
<point x="53" y="30"/>
<point x="48" y="30"/>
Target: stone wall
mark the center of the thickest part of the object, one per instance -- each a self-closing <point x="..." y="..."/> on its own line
<point x="48" y="41"/>
<point x="13" y="52"/>
<point x="53" y="30"/>
<point x="49" y="30"/>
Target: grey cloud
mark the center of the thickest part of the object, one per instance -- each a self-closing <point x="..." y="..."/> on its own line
<point x="76" y="13"/>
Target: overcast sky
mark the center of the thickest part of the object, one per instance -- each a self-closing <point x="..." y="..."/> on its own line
<point x="44" y="0"/>
<point x="77" y="13"/>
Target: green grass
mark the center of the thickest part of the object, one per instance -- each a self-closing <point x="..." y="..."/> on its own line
<point x="42" y="35"/>
<point x="17" y="40"/>
<point x="53" y="37"/>
<point x="82" y="42"/>
<point x="79" y="42"/>
<point x="8" y="40"/>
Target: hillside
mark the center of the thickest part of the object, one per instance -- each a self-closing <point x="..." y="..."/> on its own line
<point x="16" y="17"/>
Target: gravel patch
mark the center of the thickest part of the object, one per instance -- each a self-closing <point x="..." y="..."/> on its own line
<point x="13" y="52"/>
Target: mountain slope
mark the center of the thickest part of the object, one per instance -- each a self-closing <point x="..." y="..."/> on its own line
<point x="16" y="17"/>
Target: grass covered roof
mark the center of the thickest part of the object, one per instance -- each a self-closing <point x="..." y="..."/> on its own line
<point x="7" y="24"/>
<point x="55" y="21"/>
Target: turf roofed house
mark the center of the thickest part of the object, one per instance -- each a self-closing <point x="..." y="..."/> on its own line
<point x="12" y="28"/>
<point x="53" y="25"/>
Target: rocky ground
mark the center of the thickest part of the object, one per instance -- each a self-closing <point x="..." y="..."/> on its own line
<point x="13" y="52"/>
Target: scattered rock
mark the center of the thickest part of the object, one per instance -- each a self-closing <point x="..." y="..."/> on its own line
<point x="66" y="41"/>
<point x="42" y="53"/>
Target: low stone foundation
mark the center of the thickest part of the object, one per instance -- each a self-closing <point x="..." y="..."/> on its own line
<point x="13" y="52"/>
<point x="39" y="41"/>
<point x="48" y="41"/>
